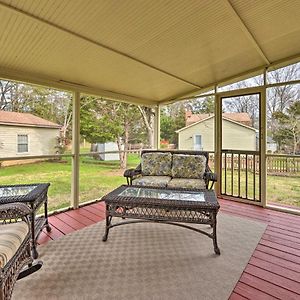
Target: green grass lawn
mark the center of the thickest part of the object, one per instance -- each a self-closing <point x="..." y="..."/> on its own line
<point x="284" y="190"/>
<point x="98" y="178"/>
<point x="280" y="189"/>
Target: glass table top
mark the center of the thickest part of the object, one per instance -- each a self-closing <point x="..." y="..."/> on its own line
<point x="162" y="194"/>
<point x="16" y="190"/>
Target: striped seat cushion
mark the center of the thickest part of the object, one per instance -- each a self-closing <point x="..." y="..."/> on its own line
<point x="11" y="237"/>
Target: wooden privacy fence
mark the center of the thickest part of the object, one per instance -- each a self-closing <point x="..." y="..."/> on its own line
<point x="283" y="164"/>
<point x="276" y="163"/>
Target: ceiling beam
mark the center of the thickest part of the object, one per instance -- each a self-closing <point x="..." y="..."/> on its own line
<point x="79" y="36"/>
<point x="246" y="31"/>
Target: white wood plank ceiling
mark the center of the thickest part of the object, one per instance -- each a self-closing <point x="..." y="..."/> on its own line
<point x="144" y="51"/>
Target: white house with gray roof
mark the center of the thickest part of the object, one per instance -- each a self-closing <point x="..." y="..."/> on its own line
<point x="23" y="134"/>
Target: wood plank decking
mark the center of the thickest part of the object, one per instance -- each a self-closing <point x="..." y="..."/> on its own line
<point x="273" y="272"/>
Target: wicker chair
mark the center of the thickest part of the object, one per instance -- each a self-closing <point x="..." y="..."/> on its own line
<point x="15" y="246"/>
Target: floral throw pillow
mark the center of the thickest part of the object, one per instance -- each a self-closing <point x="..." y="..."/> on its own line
<point x="188" y="166"/>
<point x="156" y="164"/>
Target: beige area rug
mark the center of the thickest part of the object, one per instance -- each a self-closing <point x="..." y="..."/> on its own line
<point x="143" y="261"/>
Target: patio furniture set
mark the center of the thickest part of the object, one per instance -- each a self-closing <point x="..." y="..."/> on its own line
<point x="171" y="187"/>
<point x="167" y="187"/>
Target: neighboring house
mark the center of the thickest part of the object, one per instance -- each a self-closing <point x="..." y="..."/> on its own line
<point x="237" y="135"/>
<point x="242" y="118"/>
<point x="25" y="134"/>
<point x="271" y="144"/>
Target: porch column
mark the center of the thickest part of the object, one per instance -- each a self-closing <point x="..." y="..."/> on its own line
<point x="263" y="143"/>
<point x="157" y="127"/>
<point x="218" y="142"/>
<point x="75" y="150"/>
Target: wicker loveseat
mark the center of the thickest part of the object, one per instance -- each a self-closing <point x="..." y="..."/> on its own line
<point x="172" y="168"/>
<point x="15" y="246"/>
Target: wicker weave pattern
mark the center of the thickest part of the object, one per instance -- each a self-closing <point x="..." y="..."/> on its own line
<point x="176" y="214"/>
<point x="161" y="209"/>
<point x="114" y="197"/>
<point x="39" y="191"/>
<point x="33" y="196"/>
<point x="13" y="211"/>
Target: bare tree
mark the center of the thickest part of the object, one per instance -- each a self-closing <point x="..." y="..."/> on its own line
<point x="62" y="108"/>
<point x="245" y="104"/>
<point x="148" y="118"/>
<point x="6" y="91"/>
<point x="279" y="98"/>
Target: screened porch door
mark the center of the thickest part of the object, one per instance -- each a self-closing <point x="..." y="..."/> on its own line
<point x="239" y="143"/>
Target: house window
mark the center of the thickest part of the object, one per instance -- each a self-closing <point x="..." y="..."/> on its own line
<point x="198" y="142"/>
<point x="22" y="143"/>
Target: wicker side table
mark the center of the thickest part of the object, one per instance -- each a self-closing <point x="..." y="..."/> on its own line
<point x="164" y="205"/>
<point x="33" y="195"/>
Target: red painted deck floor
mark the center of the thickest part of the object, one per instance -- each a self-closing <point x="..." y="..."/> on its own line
<point x="273" y="272"/>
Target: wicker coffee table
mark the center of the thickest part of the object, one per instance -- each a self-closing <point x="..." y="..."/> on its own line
<point x="164" y="205"/>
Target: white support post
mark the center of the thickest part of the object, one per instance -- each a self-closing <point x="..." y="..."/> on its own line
<point x="75" y="150"/>
<point x="218" y="143"/>
<point x="263" y="143"/>
<point x="157" y="127"/>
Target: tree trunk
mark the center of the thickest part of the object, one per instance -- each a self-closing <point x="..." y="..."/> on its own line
<point x="126" y="139"/>
<point x="295" y="142"/>
<point x="119" y="144"/>
<point x="123" y="152"/>
<point x="148" y="117"/>
<point x="150" y="134"/>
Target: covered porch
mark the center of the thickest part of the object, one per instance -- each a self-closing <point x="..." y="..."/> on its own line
<point x="249" y="45"/>
<point x="155" y="54"/>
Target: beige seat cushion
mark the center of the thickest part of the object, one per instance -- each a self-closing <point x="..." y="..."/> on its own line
<point x="159" y="181"/>
<point x="187" y="183"/>
<point x="156" y="164"/>
<point x="11" y="237"/>
<point x="188" y="166"/>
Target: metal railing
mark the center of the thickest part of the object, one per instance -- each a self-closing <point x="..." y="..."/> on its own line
<point x="240" y="174"/>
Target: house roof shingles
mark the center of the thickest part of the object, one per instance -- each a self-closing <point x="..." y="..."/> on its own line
<point x="24" y="119"/>
<point x="242" y="118"/>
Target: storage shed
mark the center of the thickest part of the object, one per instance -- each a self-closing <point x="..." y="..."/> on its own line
<point x="107" y="147"/>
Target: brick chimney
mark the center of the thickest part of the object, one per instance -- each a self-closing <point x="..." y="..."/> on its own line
<point x="188" y="114"/>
